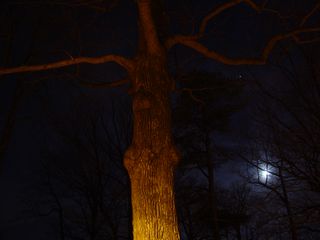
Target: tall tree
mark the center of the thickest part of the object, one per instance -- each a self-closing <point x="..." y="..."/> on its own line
<point x="84" y="187"/>
<point x="204" y="107"/>
<point x="286" y="144"/>
<point x="152" y="156"/>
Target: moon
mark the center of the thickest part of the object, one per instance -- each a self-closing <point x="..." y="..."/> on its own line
<point x="264" y="174"/>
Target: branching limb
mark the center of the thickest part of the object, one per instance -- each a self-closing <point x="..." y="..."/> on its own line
<point x="92" y="4"/>
<point x="192" y="41"/>
<point x="105" y="84"/>
<point x="310" y="14"/>
<point x="263" y="8"/>
<point x="190" y="92"/>
<point x="122" y="61"/>
<point x="222" y="8"/>
<point x="217" y="11"/>
<point x="307" y="41"/>
<point x="194" y="44"/>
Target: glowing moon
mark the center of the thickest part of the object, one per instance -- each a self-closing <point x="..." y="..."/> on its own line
<point x="264" y="174"/>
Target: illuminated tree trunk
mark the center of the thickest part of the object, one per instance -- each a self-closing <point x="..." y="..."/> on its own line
<point x="154" y="214"/>
<point x="151" y="158"/>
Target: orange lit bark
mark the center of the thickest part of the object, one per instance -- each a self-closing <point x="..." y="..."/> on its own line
<point x="151" y="158"/>
<point x="153" y="207"/>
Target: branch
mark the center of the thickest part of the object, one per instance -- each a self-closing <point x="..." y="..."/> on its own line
<point x="191" y="42"/>
<point x="190" y="92"/>
<point x="148" y="26"/>
<point x="308" y="16"/>
<point x="122" y="61"/>
<point x="105" y="84"/>
<point x="306" y="41"/>
<point x="88" y="4"/>
<point x="220" y="9"/>
<point x="223" y="7"/>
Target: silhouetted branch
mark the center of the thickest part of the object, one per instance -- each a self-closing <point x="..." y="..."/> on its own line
<point x="105" y="84"/>
<point x="92" y="4"/>
<point x="311" y="13"/>
<point x="221" y="9"/>
<point x="192" y="43"/>
<point x="122" y="61"/>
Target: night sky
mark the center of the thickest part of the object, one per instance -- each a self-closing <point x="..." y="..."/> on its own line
<point x="54" y="116"/>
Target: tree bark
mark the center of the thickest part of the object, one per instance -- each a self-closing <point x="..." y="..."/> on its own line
<point x="151" y="158"/>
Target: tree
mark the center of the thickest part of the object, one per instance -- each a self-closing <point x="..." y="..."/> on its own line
<point x="203" y="108"/>
<point x="235" y="208"/>
<point x="84" y="189"/>
<point x="152" y="156"/>
<point x="266" y="171"/>
<point x="285" y="153"/>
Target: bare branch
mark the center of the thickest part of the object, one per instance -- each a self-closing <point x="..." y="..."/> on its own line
<point x="95" y="5"/>
<point x="122" y="61"/>
<point x="310" y="14"/>
<point x="105" y="84"/>
<point x="306" y="41"/>
<point x="221" y="9"/>
<point x="263" y="8"/>
<point x="190" y="92"/>
<point x="225" y="6"/>
<point x="213" y="14"/>
<point x="192" y="43"/>
<point x="148" y="26"/>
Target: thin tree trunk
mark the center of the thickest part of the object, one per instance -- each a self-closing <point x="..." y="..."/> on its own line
<point x="286" y="201"/>
<point x="212" y="192"/>
<point x="238" y="230"/>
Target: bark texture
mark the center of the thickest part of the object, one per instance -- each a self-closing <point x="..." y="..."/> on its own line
<point x="151" y="158"/>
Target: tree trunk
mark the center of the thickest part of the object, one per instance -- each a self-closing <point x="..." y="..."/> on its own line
<point x="292" y="225"/>
<point x="212" y="191"/>
<point x="151" y="158"/>
<point x="238" y="231"/>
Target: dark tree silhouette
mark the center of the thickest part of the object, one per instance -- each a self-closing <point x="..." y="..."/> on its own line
<point x="285" y="149"/>
<point x="203" y="108"/>
<point x="84" y="187"/>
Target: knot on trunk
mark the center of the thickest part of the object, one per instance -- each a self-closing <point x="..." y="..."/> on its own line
<point x="167" y="157"/>
<point x="142" y="101"/>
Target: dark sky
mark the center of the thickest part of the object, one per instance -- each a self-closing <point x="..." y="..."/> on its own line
<point x="40" y="32"/>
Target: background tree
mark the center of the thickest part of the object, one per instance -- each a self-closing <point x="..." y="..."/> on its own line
<point x="235" y="215"/>
<point x="204" y="107"/>
<point x="84" y="188"/>
<point x="284" y="157"/>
